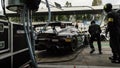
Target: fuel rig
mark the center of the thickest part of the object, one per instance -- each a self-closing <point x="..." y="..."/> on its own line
<point x="17" y="40"/>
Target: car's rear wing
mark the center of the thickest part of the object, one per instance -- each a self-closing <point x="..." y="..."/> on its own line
<point x="52" y="24"/>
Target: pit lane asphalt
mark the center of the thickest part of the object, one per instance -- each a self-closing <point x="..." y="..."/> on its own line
<point x="85" y="60"/>
<point x="64" y="56"/>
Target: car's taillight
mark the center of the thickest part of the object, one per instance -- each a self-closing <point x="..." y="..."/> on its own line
<point x="68" y="39"/>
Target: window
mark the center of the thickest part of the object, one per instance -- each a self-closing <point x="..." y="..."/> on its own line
<point x="1" y="10"/>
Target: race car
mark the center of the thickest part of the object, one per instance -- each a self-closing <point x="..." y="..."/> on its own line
<point x="59" y="36"/>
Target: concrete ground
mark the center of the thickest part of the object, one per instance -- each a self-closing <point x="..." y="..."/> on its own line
<point x="86" y="60"/>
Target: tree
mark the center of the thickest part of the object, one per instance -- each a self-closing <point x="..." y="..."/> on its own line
<point x="15" y="19"/>
<point x="96" y="2"/>
<point x="68" y="4"/>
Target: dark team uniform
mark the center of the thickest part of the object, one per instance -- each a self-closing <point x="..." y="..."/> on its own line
<point x="113" y="27"/>
<point x="95" y="31"/>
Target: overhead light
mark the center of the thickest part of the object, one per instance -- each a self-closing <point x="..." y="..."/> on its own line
<point x="15" y="5"/>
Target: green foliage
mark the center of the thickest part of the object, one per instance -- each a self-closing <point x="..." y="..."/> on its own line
<point x="15" y="19"/>
<point x="96" y="2"/>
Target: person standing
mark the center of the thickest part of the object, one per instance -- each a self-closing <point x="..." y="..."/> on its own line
<point x="94" y="31"/>
<point x="76" y="25"/>
<point x="113" y="27"/>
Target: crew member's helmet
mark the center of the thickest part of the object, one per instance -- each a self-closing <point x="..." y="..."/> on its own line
<point x="92" y="22"/>
<point x="107" y="7"/>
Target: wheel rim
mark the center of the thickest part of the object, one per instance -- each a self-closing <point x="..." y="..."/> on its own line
<point x="74" y="44"/>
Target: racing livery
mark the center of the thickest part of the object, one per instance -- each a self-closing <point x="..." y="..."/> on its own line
<point x="60" y="36"/>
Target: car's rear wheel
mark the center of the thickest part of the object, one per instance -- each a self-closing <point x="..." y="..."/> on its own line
<point x="73" y="47"/>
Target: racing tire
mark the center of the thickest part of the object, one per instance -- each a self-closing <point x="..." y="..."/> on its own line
<point x="74" y="42"/>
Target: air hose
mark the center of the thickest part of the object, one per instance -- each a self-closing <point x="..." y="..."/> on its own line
<point x="28" y="39"/>
<point x="30" y="6"/>
<point x="27" y="29"/>
<point x="49" y="14"/>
